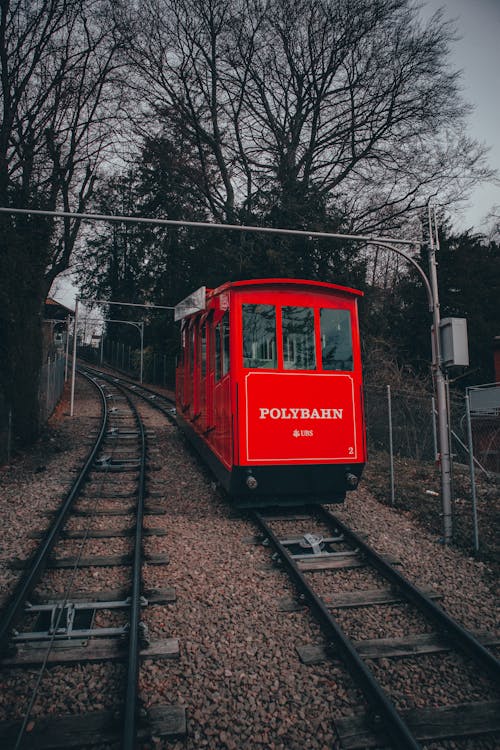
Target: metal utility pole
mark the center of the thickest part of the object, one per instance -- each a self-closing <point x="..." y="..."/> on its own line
<point x="66" y="365"/>
<point x="439" y="375"/>
<point x="73" y="370"/>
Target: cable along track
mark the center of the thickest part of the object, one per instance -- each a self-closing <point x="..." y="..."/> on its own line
<point x="41" y="630"/>
<point x="336" y="547"/>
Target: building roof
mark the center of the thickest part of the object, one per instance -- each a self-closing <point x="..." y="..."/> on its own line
<point x="55" y="310"/>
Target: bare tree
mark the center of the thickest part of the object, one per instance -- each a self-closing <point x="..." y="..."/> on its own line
<point x="60" y="94"/>
<point x="353" y="99"/>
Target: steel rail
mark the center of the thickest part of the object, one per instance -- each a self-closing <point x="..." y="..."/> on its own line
<point x="130" y="714"/>
<point x="384" y="711"/>
<point x="30" y="579"/>
<point x="136" y="389"/>
<point x="452" y="629"/>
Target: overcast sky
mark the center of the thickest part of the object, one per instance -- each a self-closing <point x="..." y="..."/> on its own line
<point x="477" y="54"/>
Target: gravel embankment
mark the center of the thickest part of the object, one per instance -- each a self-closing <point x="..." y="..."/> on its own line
<point x="239" y="675"/>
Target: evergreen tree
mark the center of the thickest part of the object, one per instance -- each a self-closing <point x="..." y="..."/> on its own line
<point x="469" y="287"/>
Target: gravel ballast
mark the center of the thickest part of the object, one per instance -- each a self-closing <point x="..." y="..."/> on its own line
<point x="238" y="675"/>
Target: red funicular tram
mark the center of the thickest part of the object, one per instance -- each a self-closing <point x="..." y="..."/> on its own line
<point x="269" y="388"/>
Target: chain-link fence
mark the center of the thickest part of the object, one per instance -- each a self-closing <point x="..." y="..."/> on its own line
<point x="49" y="392"/>
<point x="51" y="385"/>
<point x="404" y="418"/>
<point x="403" y="468"/>
<point x="158" y="368"/>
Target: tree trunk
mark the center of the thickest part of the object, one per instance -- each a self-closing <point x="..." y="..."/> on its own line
<point x="23" y="372"/>
<point x="23" y="254"/>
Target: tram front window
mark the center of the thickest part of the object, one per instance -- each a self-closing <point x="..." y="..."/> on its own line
<point x="299" y="350"/>
<point x="259" y="336"/>
<point x="336" y="339"/>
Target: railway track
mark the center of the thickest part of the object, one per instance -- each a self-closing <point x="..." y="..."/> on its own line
<point x="329" y="546"/>
<point x="65" y="624"/>
<point x="154" y="398"/>
<point x="312" y="543"/>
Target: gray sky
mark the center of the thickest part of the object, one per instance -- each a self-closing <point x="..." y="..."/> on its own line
<point x="477" y="54"/>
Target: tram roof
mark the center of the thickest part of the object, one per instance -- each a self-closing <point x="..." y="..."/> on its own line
<point x="319" y="285"/>
<point x="196" y="302"/>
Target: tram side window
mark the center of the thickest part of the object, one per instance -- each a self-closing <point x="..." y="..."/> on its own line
<point x="336" y="339"/>
<point x="299" y="350"/>
<point x="191" y="348"/>
<point x="225" y="344"/>
<point x="259" y="336"/>
<point x="218" y="353"/>
<point x="203" y="340"/>
<point x="183" y="339"/>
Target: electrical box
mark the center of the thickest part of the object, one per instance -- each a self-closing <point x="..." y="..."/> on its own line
<point x="454" y="342"/>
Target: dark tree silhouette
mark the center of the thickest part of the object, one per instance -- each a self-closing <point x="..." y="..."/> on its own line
<point x="60" y="94"/>
<point x="469" y="286"/>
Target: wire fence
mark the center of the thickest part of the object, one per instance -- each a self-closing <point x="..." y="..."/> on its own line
<point x="401" y="417"/>
<point x="158" y="368"/>
<point x="403" y="465"/>
<point x="51" y="385"/>
<point x="49" y="393"/>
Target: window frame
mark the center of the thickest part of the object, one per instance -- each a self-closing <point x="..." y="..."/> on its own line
<point x="311" y="337"/>
<point x="348" y="311"/>
<point x="279" y="302"/>
<point x="273" y="342"/>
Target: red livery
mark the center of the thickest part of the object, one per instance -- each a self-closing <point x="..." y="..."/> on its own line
<point x="269" y="388"/>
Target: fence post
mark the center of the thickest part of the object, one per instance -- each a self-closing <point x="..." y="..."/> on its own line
<point x="66" y="348"/>
<point x="472" y="474"/>
<point x="52" y="384"/>
<point x="47" y="386"/>
<point x="391" y="451"/>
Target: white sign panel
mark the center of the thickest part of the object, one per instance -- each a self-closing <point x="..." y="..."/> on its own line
<point x="194" y="302"/>
<point x="485" y="401"/>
